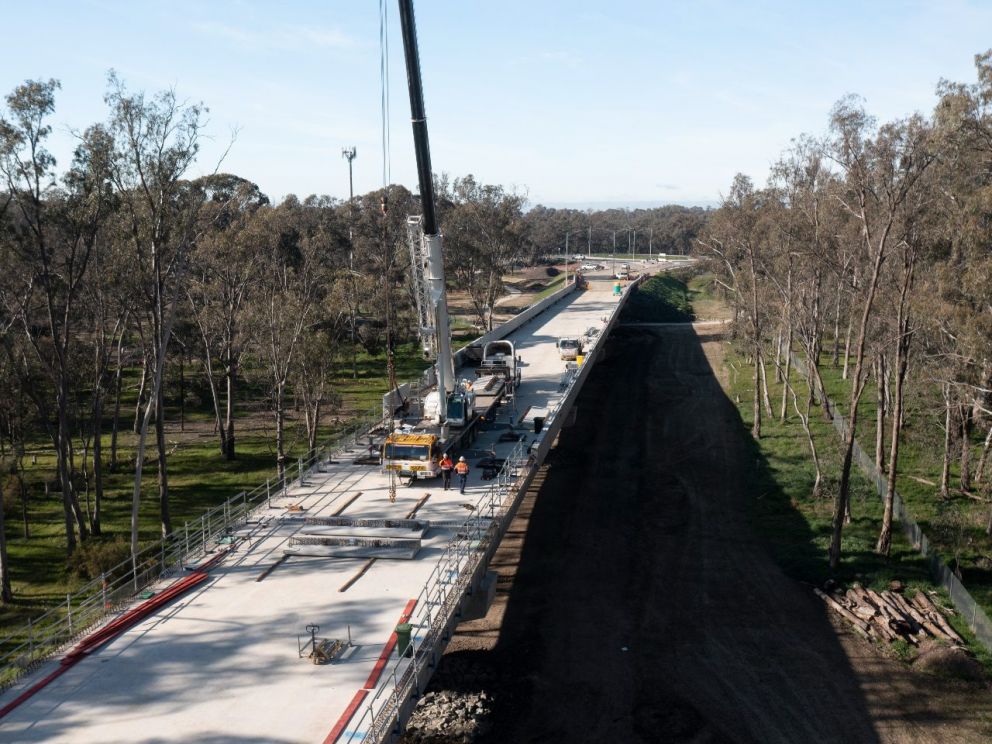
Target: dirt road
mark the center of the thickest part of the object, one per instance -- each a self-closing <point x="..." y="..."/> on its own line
<point x="635" y="605"/>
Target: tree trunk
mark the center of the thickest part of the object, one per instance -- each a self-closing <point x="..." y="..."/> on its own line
<point x="95" y="527"/>
<point x="141" y="394"/>
<point x="884" y="544"/>
<point x="163" y="473"/>
<point x="966" y="427"/>
<point x="778" y="357"/>
<point x="786" y="373"/>
<point x="835" y="356"/>
<point x="162" y="335"/>
<point x="980" y="470"/>
<point x="6" y="594"/>
<point x="228" y="438"/>
<point x="756" y="410"/>
<point x="313" y="425"/>
<point x="764" y="385"/>
<point x="208" y="368"/>
<point x="787" y="322"/>
<point x="847" y="349"/>
<point x="880" y="413"/>
<point x="24" y="503"/>
<point x="842" y="505"/>
<point x="280" y="412"/>
<point x="64" y="464"/>
<point x="945" y="472"/>
<point x="118" y="384"/>
<point x="182" y="392"/>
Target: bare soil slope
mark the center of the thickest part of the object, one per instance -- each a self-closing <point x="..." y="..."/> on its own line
<point x="636" y="606"/>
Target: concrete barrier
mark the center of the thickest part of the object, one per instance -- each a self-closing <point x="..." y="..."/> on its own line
<point x="505" y="329"/>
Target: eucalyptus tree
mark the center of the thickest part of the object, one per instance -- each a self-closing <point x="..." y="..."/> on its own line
<point x="53" y="233"/>
<point x="962" y="277"/>
<point x="156" y="140"/>
<point x="882" y="169"/>
<point x="485" y="233"/>
<point x="224" y="274"/>
<point x="295" y="240"/>
<point x="737" y="237"/>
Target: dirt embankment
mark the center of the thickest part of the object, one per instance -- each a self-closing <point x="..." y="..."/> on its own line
<point x="634" y="604"/>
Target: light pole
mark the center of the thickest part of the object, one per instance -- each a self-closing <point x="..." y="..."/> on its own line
<point x="349" y="154"/>
<point x="568" y="256"/>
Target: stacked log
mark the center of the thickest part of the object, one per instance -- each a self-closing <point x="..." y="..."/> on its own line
<point x="889" y="616"/>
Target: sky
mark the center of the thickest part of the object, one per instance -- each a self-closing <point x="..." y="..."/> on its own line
<point x="580" y="103"/>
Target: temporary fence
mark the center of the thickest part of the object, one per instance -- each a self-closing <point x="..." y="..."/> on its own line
<point x="966" y="605"/>
<point x="47" y="634"/>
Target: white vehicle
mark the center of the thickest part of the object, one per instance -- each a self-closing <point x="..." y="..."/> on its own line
<point x="569" y="349"/>
<point x="577" y="257"/>
<point x="499" y="358"/>
<point x="589" y="267"/>
<point x="622" y="274"/>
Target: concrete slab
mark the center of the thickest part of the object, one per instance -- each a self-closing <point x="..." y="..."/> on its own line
<point x="221" y="663"/>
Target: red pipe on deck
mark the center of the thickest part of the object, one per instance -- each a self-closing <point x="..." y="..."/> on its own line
<point x="114" y="628"/>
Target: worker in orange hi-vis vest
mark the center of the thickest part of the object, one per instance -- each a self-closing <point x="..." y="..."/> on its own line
<point x="462" y="469"/>
<point x="446" y="467"/>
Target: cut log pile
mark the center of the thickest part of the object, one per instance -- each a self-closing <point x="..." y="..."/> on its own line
<point x="889" y="616"/>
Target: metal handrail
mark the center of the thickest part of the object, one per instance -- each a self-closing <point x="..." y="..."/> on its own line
<point x="448" y="580"/>
<point x="57" y="628"/>
<point x="440" y="595"/>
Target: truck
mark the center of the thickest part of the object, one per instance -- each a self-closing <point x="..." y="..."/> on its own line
<point x="443" y="417"/>
<point x="624" y="271"/>
<point x="569" y="348"/>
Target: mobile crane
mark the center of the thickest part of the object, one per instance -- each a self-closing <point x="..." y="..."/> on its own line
<point x="447" y="417"/>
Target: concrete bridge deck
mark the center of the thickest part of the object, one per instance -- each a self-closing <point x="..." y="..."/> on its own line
<point x="221" y="663"/>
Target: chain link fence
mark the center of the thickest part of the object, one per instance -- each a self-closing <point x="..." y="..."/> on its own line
<point x="973" y="614"/>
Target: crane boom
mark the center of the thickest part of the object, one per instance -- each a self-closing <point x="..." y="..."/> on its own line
<point x="434" y="263"/>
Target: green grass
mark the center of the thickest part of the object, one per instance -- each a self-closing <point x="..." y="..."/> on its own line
<point x="554" y="285"/>
<point x="782" y="485"/>
<point x="795" y="524"/>
<point x="199" y="477"/>
<point x="955" y="526"/>
<point x="661" y="299"/>
<point x="706" y="298"/>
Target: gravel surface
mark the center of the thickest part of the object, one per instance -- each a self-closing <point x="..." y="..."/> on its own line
<point x="635" y="605"/>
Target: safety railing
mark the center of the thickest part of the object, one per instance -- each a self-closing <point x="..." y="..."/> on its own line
<point x="475" y="544"/>
<point x="54" y="630"/>
<point x="440" y="597"/>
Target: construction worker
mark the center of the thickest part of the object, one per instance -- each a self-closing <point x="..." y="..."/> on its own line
<point x="446" y="467"/>
<point x="462" y="469"/>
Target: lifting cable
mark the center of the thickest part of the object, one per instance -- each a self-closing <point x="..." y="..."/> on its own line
<point x="384" y="91"/>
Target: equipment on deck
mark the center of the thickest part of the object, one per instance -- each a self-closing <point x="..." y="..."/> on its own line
<point x="569" y="348"/>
